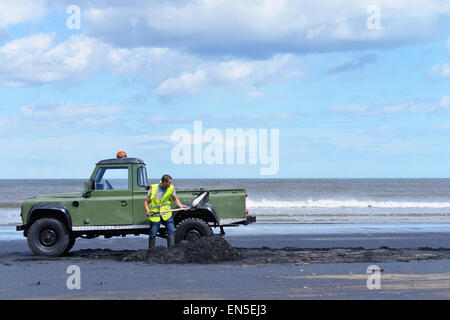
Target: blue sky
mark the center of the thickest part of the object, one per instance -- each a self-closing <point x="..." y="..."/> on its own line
<point x="348" y="101"/>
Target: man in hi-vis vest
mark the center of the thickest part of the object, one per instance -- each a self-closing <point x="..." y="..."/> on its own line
<point x="158" y="201"/>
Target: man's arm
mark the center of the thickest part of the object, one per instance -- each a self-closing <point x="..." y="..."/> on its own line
<point x="146" y="202"/>
<point x="178" y="203"/>
<point x="147" y="209"/>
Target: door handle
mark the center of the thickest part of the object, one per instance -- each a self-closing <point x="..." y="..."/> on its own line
<point x="124" y="203"/>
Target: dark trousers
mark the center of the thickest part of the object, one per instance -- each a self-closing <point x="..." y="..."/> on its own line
<point x="170" y="226"/>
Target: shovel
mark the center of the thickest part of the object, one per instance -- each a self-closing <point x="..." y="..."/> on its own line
<point x="201" y="199"/>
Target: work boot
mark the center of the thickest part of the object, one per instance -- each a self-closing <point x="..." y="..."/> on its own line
<point x="151" y="243"/>
<point x="170" y="242"/>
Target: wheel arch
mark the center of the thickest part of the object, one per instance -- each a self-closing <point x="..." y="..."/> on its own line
<point x="41" y="210"/>
<point x="205" y="212"/>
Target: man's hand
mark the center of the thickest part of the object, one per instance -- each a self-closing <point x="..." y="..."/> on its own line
<point x="148" y="213"/>
<point x="184" y="207"/>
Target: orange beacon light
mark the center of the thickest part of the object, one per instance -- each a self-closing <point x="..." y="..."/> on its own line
<point x="121" y="154"/>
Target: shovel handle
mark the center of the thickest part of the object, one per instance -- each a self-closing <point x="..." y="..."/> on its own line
<point x="179" y="209"/>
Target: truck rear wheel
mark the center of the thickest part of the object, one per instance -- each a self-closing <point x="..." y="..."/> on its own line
<point x="192" y="229"/>
<point x="48" y="237"/>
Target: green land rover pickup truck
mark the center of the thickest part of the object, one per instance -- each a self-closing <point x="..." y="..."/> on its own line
<point x="112" y="204"/>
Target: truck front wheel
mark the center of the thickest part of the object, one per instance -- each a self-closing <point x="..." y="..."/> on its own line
<point x="192" y="229"/>
<point x="70" y="245"/>
<point x="48" y="237"/>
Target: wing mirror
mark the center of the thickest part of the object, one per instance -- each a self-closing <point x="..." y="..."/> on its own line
<point x="88" y="187"/>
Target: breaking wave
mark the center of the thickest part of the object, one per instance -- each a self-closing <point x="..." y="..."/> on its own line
<point x="332" y="203"/>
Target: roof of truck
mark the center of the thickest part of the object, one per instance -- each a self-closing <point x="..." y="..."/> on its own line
<point x="121" y="161"/>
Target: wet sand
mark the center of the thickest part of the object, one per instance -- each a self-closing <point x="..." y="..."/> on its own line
<point x="415" y="265"/>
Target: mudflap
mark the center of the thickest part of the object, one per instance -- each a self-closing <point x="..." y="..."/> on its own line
<point x="222" y="232"/>
<point x="250" y="219"/>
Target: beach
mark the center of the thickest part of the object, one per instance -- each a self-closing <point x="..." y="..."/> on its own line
<point x="311" y="135"/>
<point x="298" y="262"/>
<point x="314" y="239"/>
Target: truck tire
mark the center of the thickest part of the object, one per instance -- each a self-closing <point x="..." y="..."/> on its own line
<point x="70" y="245"/>
<point x="48" y="237"/>
<point x="192" y="229"/>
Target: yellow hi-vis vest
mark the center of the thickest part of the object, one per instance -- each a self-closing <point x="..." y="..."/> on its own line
<point x="163" y="205"/>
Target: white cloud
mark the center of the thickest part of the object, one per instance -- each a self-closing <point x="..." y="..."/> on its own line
<point x="253" y="95"/>
<point x="63" y="110"/>
<point x="394" y="107"/>
<point x="445" y="102"/>
<point x="186" y="83"/>
<point x="65" y="116"/>
<point x="235" y="70"/>
<point x="176" y="73"/>
<point x="5" y="124"/>
<point x="353" y="64"/>
<point x="37" y="59"/>
<point x="184" y="47"/>
<point x="355" y="108"/>
<point x="13" y="12"/>
<point x="35" y="43"/>
<point x="256" y="73"/>
<point x="229" y="121"/>
<point x="263" y="27"/>
<point x="441" y="70"/>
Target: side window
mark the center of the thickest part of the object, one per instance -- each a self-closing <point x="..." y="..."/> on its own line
<point x="142" y="177"/>
<point x="114" y="178"/>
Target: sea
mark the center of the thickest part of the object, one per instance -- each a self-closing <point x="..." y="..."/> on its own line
<point x="309" y="201"/>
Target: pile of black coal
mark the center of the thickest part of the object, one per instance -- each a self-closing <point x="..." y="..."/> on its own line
<point x="204" y="250"/>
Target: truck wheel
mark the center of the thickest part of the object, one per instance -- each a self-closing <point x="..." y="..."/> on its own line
<point x="70" y="245"/>
<point x="48" y="237"/>
<point x="192" y="229"/>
